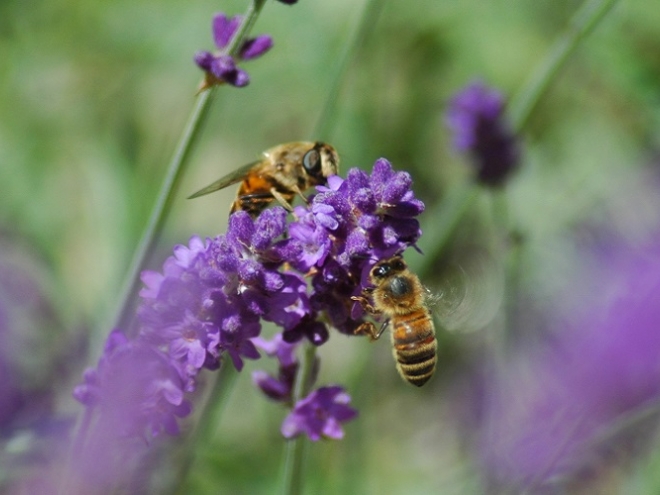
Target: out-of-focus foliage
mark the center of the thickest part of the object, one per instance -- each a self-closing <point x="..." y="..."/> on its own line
<point x="94" y="95"/>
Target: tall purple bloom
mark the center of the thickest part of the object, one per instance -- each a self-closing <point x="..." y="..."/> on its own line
<point x="476" y="118"/>
<point x="210" y="299"/>
<point x="221" y="67"/>
<point x="559" y="412"/>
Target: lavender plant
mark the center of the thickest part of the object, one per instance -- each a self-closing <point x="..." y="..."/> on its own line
<point x="212" y="295"/>
<point x="204" y="309"/>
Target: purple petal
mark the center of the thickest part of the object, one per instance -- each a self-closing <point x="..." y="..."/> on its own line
<point x="223" y="66"/>
<point x="204" y="60"/>
<point x="256" y="47"/>
<point x="224" y="28"/>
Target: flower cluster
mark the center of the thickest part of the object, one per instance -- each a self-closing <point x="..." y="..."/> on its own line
<point x="348" y="226"/>
<point x="221" y="67"/>
<point x="211" y="297"/>
<point x="476" y="117"/>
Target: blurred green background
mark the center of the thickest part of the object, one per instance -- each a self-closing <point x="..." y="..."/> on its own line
<point x="93" y="98"/>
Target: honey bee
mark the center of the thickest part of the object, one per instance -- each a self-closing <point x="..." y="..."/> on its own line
<point x="284" y="171"/>
<point x="398" y="294"/>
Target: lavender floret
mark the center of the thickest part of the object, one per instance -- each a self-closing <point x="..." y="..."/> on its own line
<point x="221" y="67"/>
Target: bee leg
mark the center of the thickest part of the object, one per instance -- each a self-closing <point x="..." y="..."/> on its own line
<point x="367" y="328"/>
<point x="365" y="303"/>
<point x="297" y="190"/>
<point x="382" y="328"/>
<point x="281" y="199"/>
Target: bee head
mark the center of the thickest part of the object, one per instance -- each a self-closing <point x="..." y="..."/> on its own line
<point x="321" y="162"/>
<point x="387" y="268"/>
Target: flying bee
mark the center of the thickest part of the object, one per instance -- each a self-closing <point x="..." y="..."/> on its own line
<point x="398" y="294"/>
<point x="284" y="171"/>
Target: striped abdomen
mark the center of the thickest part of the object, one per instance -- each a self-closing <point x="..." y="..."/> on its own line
<point x="414" y="346"/>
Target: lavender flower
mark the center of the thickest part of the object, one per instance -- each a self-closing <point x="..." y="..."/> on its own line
<point x="320" y="414"/>
<point x="211" y="297"/>
<point x="221" y="68"/>
<point x="350" y="225"/>
<point x="138" y="390"/>
<point x="557" y="413"/>
<point x="476" y="117"/>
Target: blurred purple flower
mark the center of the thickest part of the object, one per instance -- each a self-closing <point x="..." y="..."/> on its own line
<point x="320" y="414"/>
<point x="222" y="67"/>
<point x="136" y="389"/>
<point x="476" y="118"/>
<point x="557" y="412"/>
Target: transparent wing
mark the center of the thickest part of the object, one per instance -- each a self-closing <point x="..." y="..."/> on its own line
<point x="469" y="293"/>
<point x="231" y="178"/>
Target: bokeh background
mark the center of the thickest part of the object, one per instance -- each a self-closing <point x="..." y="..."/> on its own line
<point x="93" y="98"/>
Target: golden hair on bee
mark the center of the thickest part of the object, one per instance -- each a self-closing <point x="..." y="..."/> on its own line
<point x="283" y="172"/>
<point x="398" y="295"/>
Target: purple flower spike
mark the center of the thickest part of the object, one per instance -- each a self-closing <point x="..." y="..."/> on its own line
<point x="476" y="118"/>
<point x="208" y="302"/>
<point x="221" y="67"/>
<point x="320" y="414"/>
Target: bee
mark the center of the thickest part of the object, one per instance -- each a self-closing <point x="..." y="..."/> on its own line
<point x="284" y="171"/>
<point x="398" y="294"/>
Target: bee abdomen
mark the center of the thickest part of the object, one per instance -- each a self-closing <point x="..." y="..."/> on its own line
<point x="415" y="347"/>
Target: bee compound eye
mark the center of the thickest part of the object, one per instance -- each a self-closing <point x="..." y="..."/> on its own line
<point x="380" y="271"/>
<point x="398" y="264"/>
<point x="312" y="161"/>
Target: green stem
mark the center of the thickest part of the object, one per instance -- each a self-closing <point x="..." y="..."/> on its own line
<point x="161" y="210"/>
<point x="581" y="24"/>
<point x="254" y="9"/>
<point x="295" y="448"/>
<point x="170" y="186"/>
<point x="363" y="28"/>
<point x="207" y="426"/>
<point x="76" y="449"/>
<point x="452" y="209"/>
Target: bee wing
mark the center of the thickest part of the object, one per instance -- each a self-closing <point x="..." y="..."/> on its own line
<point x="231" y="178"/>
<point x="470" y="294"/>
